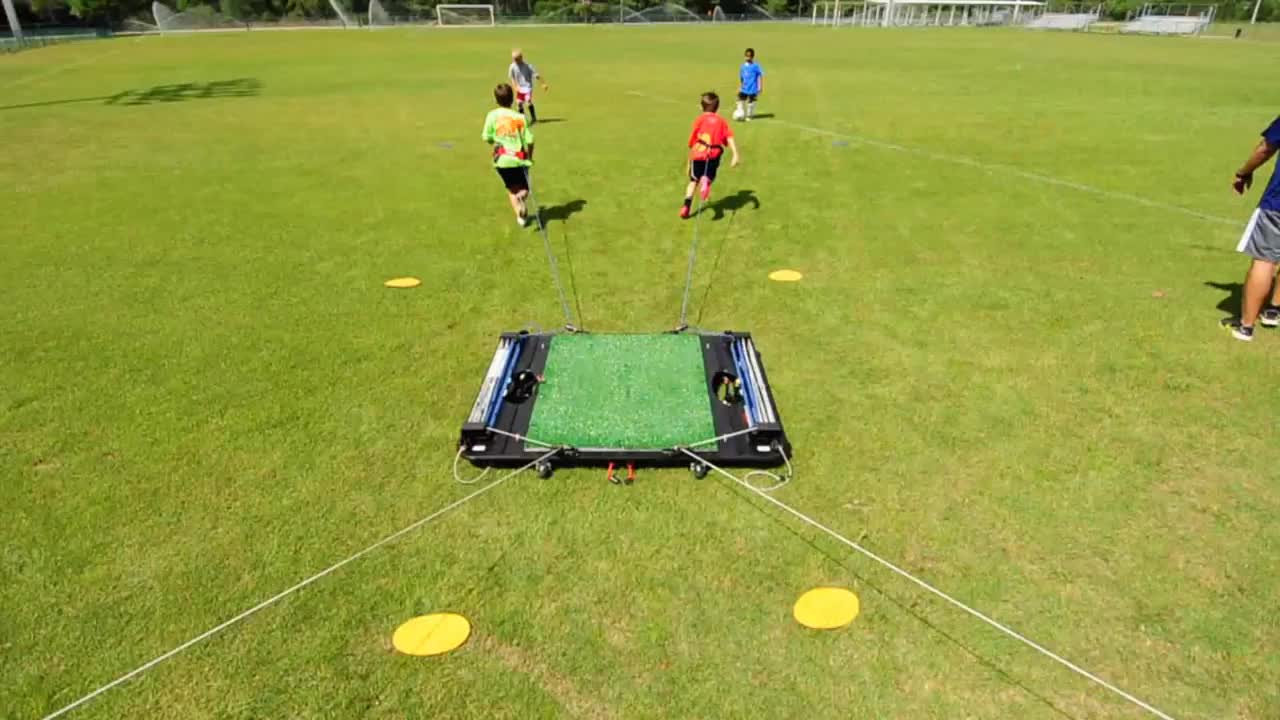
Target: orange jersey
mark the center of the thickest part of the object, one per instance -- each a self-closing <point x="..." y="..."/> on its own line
<point x="710" y="133"/>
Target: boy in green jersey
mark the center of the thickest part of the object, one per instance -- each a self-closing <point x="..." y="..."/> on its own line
<point x="512" y="141"/>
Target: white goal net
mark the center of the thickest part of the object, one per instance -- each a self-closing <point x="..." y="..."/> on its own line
<point x="344" y="13"/>
<point x="200" y="17"/>
<point x="378" y="15"/>
<point x="457" y="15"/>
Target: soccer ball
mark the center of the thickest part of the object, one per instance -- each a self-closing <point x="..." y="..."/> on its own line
<point x="739" y="114"/>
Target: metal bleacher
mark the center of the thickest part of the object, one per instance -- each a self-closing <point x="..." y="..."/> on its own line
<point x="1166" y="25"/>
<point x="1171" y="19"/>
<point x="1063" y="21"/>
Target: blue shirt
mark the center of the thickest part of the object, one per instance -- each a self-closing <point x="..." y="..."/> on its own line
<point x="1271" y="196"/>
<point x="749" y="78"/>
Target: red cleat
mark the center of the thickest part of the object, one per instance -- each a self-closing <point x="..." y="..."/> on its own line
<point x="684" y="212"/>
<point x="705" y="186"/>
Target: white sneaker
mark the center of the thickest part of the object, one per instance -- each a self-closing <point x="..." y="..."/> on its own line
<point x="1238" y="331"/>
<point x="1270" y="317"/>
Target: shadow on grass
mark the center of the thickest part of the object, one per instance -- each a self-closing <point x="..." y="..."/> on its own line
<point x="762" y="116"/>
<point x="1232" y="303"/>
<point x="843" y="562"/>
<point x="544" y="121"/>
<point x="733" y="203"/>
<point x="563" y="211"/>
<point x="180" y="92"/>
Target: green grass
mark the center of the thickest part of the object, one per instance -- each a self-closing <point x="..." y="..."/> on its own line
<point x="1011" y="385"/>
<point x="623" y="391"/>
<point x="1260" y="32"/>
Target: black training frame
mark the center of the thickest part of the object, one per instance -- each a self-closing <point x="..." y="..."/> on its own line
<point x="763" y="447"/>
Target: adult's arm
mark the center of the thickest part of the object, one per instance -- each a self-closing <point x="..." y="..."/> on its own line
<point x="1260" y="155"/>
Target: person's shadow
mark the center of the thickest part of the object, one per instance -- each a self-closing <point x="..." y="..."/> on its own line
<point x="563" y="211"/>
<point x="734" y="202"/>
<point x="1231" y="303"/>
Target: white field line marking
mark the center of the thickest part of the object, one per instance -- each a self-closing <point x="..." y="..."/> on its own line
<point x="935" y="591"/>
<point x="985" y="166"/>
<point x="292" y="589"/>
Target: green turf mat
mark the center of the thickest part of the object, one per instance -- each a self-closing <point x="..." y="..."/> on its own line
<point x="623" y="391"/>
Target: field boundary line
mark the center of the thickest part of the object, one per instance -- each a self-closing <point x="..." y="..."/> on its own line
<point x="293" y="589"/>
<point x="981" y="165"/>
<point x="992" y="622"/>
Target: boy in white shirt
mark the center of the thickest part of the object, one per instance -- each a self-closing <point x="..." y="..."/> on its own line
<point x="522" y="75"/>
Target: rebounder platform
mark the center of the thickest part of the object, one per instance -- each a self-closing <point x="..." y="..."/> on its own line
<point x="625" y="399"/>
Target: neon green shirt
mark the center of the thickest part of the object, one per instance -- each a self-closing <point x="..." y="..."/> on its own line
<point x="507" y="131"/>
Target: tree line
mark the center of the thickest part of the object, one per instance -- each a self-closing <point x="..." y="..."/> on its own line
<point x="110" y="13"/>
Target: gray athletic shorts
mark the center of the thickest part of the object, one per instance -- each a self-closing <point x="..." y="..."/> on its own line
<point x="1261" y="239"/>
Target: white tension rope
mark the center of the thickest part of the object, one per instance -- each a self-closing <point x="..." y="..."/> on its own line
<point x="935" y="591"/>
<point x="294" y="588"/>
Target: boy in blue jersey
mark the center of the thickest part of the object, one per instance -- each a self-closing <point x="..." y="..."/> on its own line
<point x="750" y="85"/>
<point x="1261" y="241"/>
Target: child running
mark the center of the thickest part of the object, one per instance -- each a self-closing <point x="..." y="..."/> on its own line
<point x="522" y="75"/>
<point x="750" y="85"/>
<point x="706" y="144"/>
<point x="512" y="142"/>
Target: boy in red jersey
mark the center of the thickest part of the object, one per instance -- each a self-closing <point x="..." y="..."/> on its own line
<point x="706" y="144"/>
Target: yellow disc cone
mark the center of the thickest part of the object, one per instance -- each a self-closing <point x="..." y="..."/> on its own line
<point x="403" y="282"/>
<point x="826" y="608"/>
<point x="433" y="634"/>
<point x="785" y="276"/>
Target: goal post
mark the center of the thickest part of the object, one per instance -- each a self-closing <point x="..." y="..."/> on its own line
<point x="825" y="12"/>
<point x="15" y="28"/>
<point x="457" y="15"/>
<point x="343" y="13"/>
<point x="840" y="12"/>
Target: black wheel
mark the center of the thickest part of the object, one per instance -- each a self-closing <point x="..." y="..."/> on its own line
<point x="700" y="470"/>
<point x="545" y="470"/>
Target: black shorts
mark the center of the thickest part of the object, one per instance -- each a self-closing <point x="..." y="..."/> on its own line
<point x="699" y="169"/>
<point x="516" y="179"/>
<point x="746" y="97"/>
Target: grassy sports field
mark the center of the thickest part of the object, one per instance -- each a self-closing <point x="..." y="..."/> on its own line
<point x="1002" y="370"/>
